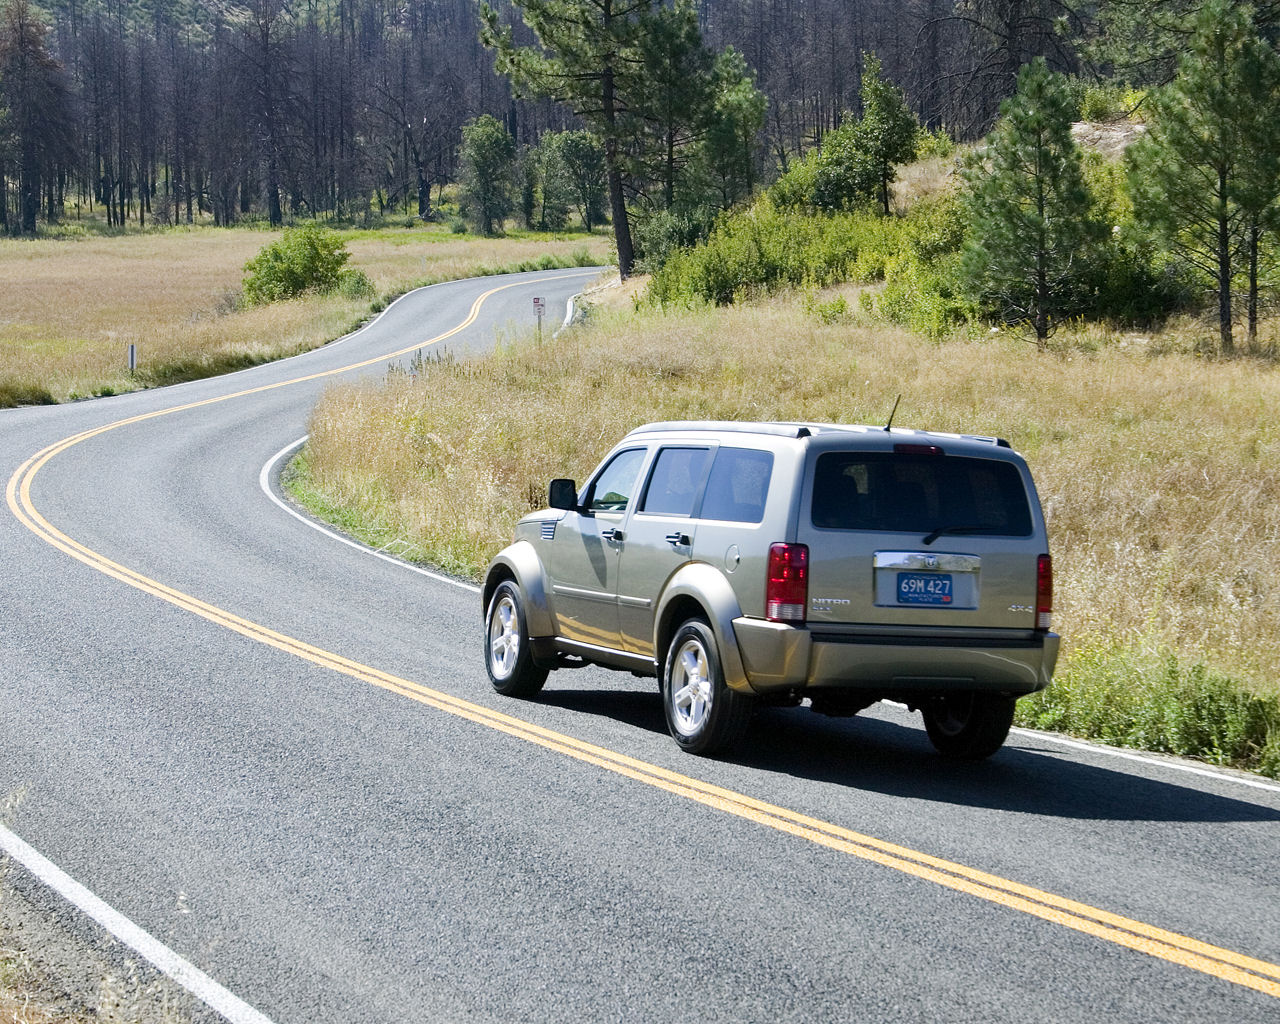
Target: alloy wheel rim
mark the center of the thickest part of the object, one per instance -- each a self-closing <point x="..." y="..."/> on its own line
<point x="691" y="693"/>
<point x="504" y="637"/>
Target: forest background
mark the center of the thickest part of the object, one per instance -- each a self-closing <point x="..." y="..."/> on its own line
<point x="168" y="111"/>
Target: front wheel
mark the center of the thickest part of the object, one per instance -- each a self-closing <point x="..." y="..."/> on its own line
<point x="703" y="715"/>
<point x="507" y="654"/>
<point x="968" y="726"/>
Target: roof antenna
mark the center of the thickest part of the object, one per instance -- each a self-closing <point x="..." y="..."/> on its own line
<point x="892" y="414"/>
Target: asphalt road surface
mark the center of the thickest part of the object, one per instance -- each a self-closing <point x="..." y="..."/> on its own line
<point x="280" y="757"/>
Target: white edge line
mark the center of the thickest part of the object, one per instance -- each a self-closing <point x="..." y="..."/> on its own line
<point x="186" y="974"/>
<point x="264" y="482"/>
<point x="1125" y="755"/>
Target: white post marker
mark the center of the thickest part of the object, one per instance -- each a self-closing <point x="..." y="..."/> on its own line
<point x="539" y="307"/>
<point x="133" y="357"/>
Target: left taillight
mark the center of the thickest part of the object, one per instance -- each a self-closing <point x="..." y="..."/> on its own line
<point x="1044" y="593"/>
<point x="786" y="593"/>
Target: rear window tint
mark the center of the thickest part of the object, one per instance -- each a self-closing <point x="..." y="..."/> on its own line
<point x="738" y="485"/>
<point x="902" y="493"/>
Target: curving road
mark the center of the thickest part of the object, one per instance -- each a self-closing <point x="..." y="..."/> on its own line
<point x="280" y="758"/>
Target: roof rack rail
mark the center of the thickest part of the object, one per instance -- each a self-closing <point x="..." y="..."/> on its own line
<point x="731" y="426"/>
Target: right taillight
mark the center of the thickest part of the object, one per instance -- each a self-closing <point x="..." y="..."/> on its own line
<point x="1044" y="593"/>
<point x="786" y="593"/>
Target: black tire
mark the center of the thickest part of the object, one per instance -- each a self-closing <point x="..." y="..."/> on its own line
<point x="508" y="655"/>
<point x="968" y="726"/>
<point x="704" y="716"/>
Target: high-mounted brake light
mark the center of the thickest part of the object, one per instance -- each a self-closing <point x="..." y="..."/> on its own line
<point x="917" y="449"/>
<point x="786" y="593"/>
<point x="1044" y="593"/>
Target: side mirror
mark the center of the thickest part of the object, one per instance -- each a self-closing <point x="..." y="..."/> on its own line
<point x="563" y="495"/>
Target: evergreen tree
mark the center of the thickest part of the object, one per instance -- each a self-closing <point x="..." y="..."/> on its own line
<point x="488" y="166"/>
<point x="1258" y="182"/>
<point x="589" y="58"/>
<point x="886" y="135"/>
<point x="726" y="154"/>
<point x="676" y="94"/>
<point x="1029" y="206"/>
<point x="1204" y="178"/>
<point x="1140" y="40"/>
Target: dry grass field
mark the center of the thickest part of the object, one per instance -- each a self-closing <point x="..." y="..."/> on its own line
<point x="73" y="305"/>
<point x="1159" y="471"/>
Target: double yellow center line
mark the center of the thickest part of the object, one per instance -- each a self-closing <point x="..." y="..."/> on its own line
<point x="1187" y="952"/>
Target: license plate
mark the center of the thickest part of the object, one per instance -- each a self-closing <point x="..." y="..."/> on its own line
<point x="924" y="588"/>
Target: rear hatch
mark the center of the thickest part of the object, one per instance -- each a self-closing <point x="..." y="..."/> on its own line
<point x="942" y="534"/>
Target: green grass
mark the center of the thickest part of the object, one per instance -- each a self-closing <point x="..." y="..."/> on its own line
<point x="1128" y="696"/>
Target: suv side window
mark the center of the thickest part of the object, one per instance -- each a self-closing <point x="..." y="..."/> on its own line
<point x="616" y="485"/>
<point x="738" y="485"/>
<point x="675" y="481"/>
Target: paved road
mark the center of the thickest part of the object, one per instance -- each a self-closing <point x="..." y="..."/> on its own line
<point x="281" y="757"/>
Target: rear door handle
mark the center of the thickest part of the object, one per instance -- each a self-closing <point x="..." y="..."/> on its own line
<point x="612" y="535"/>
<point x="679" y="539"/>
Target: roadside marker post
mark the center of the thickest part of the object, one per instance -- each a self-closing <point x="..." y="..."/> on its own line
<point x="539" y="307"/>
<point x="133" y="358"/>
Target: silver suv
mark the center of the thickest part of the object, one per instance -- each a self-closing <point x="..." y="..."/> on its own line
<point x="770" y="563"/>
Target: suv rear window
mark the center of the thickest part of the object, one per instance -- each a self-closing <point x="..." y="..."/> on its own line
<point x="909" y="493"/>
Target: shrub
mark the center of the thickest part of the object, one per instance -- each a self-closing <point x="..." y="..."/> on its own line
<point x="306" y="258"/>
<point x="1102" y="101"/>
<point x="658" y="236"/>
<point x="354" y="283"/>
<point x="1153" y="701"/>
<point x="767" y="248"/>
<point x="794" y="190"/>
<point x="936" y="143"/>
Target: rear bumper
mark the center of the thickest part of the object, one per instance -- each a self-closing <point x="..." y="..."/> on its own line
<point x="894" y="661"/>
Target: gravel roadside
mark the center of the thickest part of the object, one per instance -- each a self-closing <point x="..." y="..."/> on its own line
<point x="59" y="967"/>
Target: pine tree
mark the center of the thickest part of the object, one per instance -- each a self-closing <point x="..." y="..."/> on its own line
<point x="1029" y="206"/>
<point x="590" y="59"/>
<point x="1204" y="178"/>
<point x="676" y="93"/>
<point x="725" y="155"/>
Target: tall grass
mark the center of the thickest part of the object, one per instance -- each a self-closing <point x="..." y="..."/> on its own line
<point x="1159" y="471"/>
<point x="74" y="305"/>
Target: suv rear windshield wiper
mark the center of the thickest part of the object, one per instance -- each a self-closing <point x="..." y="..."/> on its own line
<point x="952" y="530"/>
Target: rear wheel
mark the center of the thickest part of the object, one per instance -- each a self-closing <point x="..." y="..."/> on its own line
<point x="968" y="726"/>
<point x="703" y="715"/>
<point x="507" y="654"/>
